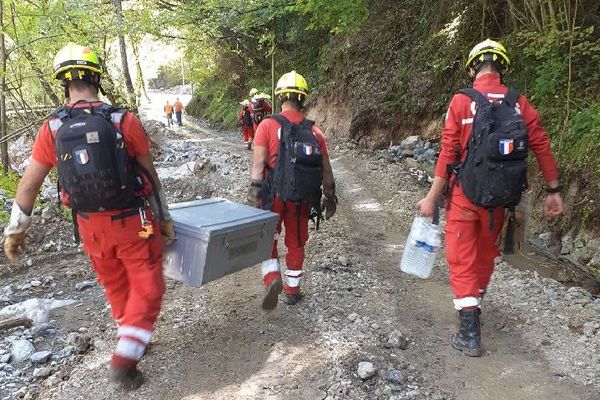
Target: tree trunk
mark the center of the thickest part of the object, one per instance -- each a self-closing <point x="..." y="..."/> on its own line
<point x="123" y="51"/>
<point x="4" y="145"/>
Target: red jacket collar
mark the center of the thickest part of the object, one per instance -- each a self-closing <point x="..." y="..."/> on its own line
<point x="487" y="80"/>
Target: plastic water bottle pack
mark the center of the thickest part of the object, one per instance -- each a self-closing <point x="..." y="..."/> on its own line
<point x="422" y="244"/>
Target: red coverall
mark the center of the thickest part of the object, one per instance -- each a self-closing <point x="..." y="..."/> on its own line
<point x="470" y="244"/>
<point x="129" y="267"/>
<point x="247" y="131"/>
<point x="267" y="135"/>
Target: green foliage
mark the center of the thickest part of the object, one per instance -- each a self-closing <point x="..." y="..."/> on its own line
<point x="337" y="16"/>
<point x="8" y="186"/>
<point x="168" y="77"/>
<point x="581" y="144"/>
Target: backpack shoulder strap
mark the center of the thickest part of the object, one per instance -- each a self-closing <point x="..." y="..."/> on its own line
<point x="307" y="123"/>
<point x="283" y="121"/>
<point x="511" y="98"/>
<point x="113" y="114"/>
<point x="57" y="119"/>
<point x="477" y="97"/>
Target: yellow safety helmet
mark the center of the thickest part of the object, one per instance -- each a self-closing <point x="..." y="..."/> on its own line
<point x="488" y="50"/>
<point x="76" y="62"/>
<point x="253" y="91"/>
<point x="292" y="83"/>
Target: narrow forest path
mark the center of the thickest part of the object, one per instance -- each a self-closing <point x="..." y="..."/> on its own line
<point x="215" y="342"/>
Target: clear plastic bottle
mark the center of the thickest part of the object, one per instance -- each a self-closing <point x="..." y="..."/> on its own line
<point x="422" y="244"/>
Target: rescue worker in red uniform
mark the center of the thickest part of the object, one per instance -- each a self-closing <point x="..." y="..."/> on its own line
<point x="260" y="108"/>
<point x="125" y="246"/>
<point x="292" y="91"/>
<point x="246" y="123"/>
<point x="470" y="237"/>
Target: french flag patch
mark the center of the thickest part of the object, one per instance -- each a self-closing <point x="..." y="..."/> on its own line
<point x="506" y="146"/>
<point x="82" y="157"/>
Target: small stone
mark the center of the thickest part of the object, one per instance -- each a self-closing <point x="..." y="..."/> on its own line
<point x="81" y="343"/>
<point x="7" y="290"/>
<point x="410" y="142"/>
<point x="29" y="262"/>
<point x="5" y="358"/>
<point x="395" y="376"/>
<point x="64" y="353"/>
<point x="40" y="357"/>
<point x="84" y="285"/>
<point x="589" y="328"/>
<point x="396" y="340"/>
<point x="26" y="286"/>
<point x="566" y="245"/>
<point x="21" y="350"/>
<point x="36" y="283"/>
<point x="545" y="238"/>
<point x="365" y="370"/>
<point x="352" y="317"/>
<point x="41" y="373"/>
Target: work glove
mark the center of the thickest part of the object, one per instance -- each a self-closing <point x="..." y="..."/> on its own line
<point x="253" y="196"/>
<point x="329" y="205"/>
<point x="15" y="233"/>
<point x="14" y="245"/>
<point x="167" y="231"/>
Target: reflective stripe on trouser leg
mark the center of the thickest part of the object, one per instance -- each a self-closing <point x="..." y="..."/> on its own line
<point x="130" y="349"/>
<point x="269" y="266"/>
<point x="270" y="271"/>
<point x="465" y="302"/>
<point x="293" y="277"/>
<point x="138" y="334"/>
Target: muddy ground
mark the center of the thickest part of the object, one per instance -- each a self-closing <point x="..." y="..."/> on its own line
<point x="541" y="338"/>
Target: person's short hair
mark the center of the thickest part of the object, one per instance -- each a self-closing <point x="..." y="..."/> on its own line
<point x="489" y="65"/>
<point x="81" y="85"/>
<point x="293" y="100"/>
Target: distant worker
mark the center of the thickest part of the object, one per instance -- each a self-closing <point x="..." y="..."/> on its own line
<point x="246" y="123"/>
<point x="178" y="106"/>
<point x="488" y="131"/>
<point x="169" y="113"/>
<point x="260" y="108"/>
<point x="289" y="177"/>
<point x="107" y="178"/>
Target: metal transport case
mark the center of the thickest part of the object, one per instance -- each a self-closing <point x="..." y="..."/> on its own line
<point x="217" y="237"/>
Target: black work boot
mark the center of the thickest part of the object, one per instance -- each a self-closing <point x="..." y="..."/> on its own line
<point x="126" y="378"/>
<point x="291" y="299"/>
<point x="468" y="337"/>
<point x="272" y="295"/>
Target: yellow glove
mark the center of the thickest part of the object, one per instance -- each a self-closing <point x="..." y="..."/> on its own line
<point x="14" y="245"/>
<point x="167" y="231"/>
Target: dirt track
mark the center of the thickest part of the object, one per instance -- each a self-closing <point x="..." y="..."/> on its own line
<point x="216" y="343"/>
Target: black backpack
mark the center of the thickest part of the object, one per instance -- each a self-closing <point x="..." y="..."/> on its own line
<point x="258" y="111"/>
<point x="95" y="172"/>
<point x="247" y="118"/>
<point x="298" y="172"/>
<point x="494" y="174"/>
